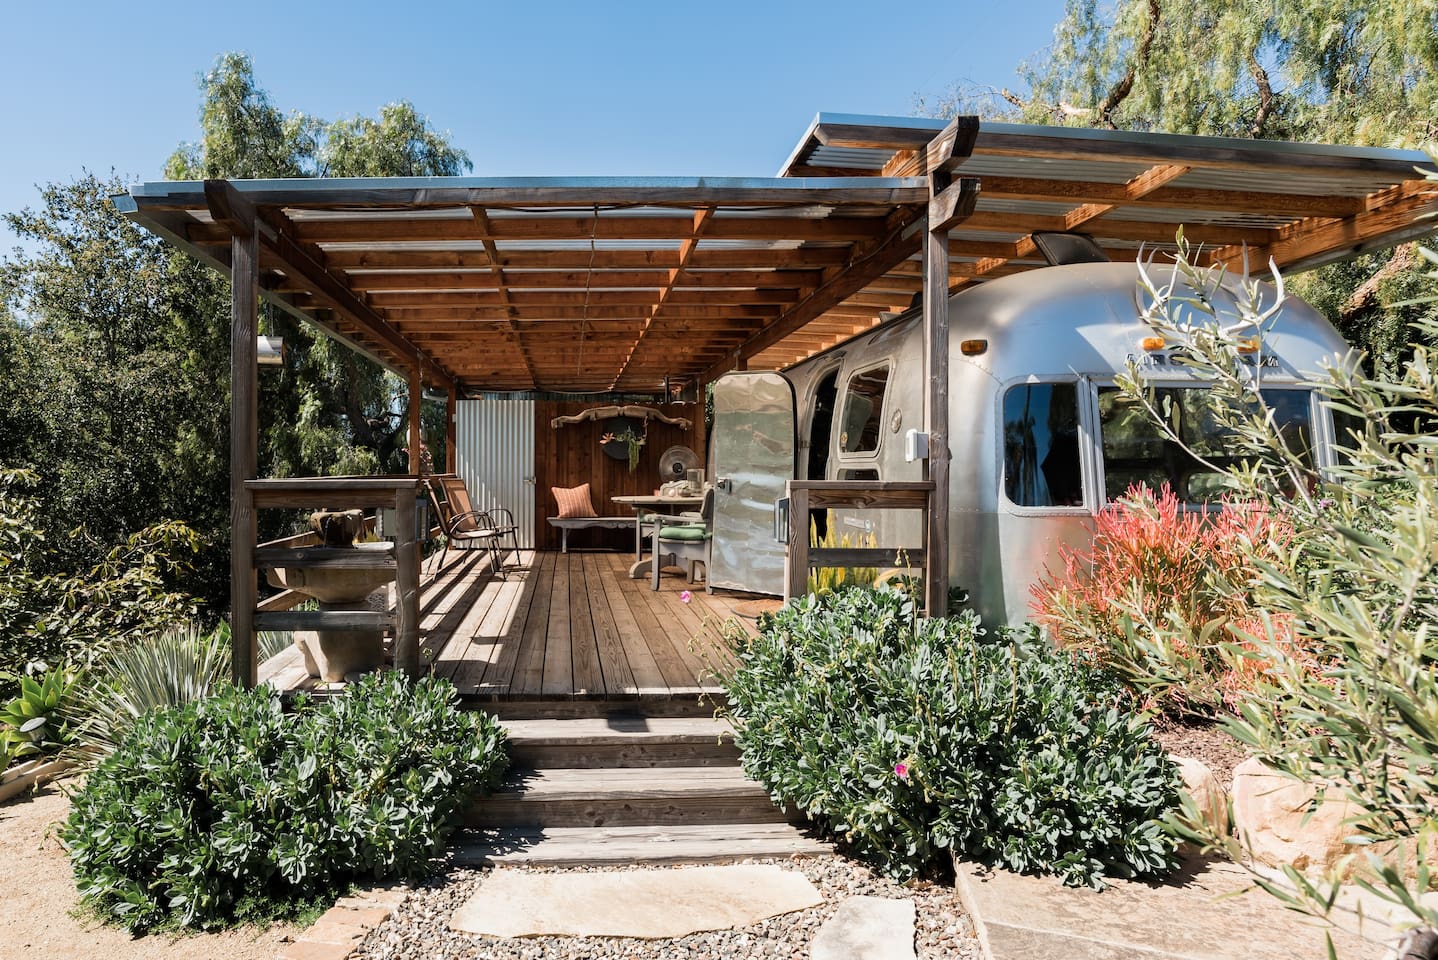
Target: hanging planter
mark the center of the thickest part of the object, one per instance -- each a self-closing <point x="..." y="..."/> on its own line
<point x="625" y="441"/>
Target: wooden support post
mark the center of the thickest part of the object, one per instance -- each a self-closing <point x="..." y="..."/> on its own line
<point x="406" y="600"/>
<point x="451" y="406"/>
<point x="244" y="456"/>
<point x="796" y="554"/>
<point x="416" y="397"/>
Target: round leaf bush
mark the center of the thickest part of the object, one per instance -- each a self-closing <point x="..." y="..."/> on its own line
<point x="910" y="738"/>
<point x="229" y="808"/>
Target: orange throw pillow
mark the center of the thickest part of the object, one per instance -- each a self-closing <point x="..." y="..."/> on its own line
<point x="573" y="501"/>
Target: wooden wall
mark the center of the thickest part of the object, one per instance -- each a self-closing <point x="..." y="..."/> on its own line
<point x="570" y="455"/>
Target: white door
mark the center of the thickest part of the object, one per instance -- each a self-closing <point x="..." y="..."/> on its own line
<point x="494" y="455"/>
<point x="754" y="444"/>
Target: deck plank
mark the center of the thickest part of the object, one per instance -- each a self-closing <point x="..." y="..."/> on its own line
<point x="500" y="673"/>
<point x="558" y="678"/>
<point x="613" y="658"/>
<point x="529" y="670"/>
<point x="584" y="644"/>
<point x="558" y="628"/>
<point x="472" y="647"/>
<point x="684" y="625"/>
<point x="655" y="629"/>
<point x="446" y="644"/>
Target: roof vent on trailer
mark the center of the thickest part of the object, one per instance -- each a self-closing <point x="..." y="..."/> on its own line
<point x="1061" y="247"/>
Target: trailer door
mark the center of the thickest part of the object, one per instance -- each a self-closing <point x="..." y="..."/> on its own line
<point x="754" y="448"/>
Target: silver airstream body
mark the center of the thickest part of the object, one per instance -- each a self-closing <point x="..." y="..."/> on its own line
<point x="1041" y="439"/>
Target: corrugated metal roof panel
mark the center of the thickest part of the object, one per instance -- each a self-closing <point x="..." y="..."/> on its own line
<point x="856" y="158"/>
<point x="1046" y="168"/>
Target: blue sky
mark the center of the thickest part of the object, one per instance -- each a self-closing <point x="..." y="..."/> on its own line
<point x="539" y="89"/>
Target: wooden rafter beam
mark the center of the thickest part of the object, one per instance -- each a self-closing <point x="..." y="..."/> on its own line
<point x="868" y="261"/>
<point x="417" y="256"/>
<point x="702" y="219"/>
<point x="481" y="219"/>
<point x="1145" y="185"/>
<point x="520" y="299"/>
<point x="1155" y="194"/>
<point x="655" y="280"/>
<point x="603" y="227"/>
<point x="306" y="263"/>
<point x="1319" y="241"/>
<point x="637" y="314"/>
<point x="944" y="153"/>
<point x="1131" y="230"/>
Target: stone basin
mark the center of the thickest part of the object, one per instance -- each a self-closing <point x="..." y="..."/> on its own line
<point x="334" y="655"/>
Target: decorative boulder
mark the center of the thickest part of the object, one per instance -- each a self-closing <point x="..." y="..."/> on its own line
<point x="1272" y="818"/>
<point x="1208" y="794"/>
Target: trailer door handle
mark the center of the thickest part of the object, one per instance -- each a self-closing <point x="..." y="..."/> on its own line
<point x="724" y="485"/>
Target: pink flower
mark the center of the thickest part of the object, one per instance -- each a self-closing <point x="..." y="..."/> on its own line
<point x="685" y="596"/>
<point x="901" y="770"/>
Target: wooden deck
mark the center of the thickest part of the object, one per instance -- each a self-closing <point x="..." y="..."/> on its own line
<point x="559" y="627"/>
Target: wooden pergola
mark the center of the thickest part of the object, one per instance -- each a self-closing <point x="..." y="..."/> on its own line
<point x="629" y="286"/>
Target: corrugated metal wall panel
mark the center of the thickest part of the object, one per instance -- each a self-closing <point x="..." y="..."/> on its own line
<point x="494" y="453"/>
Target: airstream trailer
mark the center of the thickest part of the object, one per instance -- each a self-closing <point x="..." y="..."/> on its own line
<point x="1040" y="437"/>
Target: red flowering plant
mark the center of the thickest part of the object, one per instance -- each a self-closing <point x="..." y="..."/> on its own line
<point x="1162" y="592"/>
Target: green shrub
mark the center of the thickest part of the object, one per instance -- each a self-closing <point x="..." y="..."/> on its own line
<point x="912" y="738"/>
<point x="229" y="809"/>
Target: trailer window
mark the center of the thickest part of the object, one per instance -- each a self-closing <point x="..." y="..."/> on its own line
<point x="1135" y="451"/>
<point x="864" y="410"/>
<point x="1041" y="448"/>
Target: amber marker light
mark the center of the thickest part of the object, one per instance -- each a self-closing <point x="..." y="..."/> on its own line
<point x="1152" y="343"/>
<point x="972" y="348"/>
<point x="1249" y="345"/>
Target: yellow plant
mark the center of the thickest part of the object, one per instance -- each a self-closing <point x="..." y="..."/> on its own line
<point x="828" y="579"/>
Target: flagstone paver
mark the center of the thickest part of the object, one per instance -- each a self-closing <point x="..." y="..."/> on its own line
<point x="1201" y="913"/>
<point x="867" y="928"/>
<point x="646" y="904"/>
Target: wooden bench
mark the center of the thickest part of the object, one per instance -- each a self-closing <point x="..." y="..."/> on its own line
<point x="566" y="524"/>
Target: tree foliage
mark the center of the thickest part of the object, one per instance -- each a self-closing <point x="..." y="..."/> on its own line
<point x="116" y="347"/>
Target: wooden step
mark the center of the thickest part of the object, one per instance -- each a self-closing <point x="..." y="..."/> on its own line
<point x="622" y="740"/>
<point x="667" y="705"/>
<point x="626" y="796"/>
<point x="595" y="846"/>
<point x="289" y="620"/>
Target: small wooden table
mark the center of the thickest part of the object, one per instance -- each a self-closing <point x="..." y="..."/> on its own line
<point x="644" y="505"/>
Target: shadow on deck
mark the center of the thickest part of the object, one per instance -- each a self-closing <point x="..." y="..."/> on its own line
<point x="561" y="628"/>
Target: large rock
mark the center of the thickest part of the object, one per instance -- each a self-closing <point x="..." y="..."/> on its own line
<point x="1209" y="797"/>
<point x="1271" y="814"/>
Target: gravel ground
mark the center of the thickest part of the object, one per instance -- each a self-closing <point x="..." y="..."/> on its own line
<point x="1202" y="741"/>
<point x="420" y="929"/>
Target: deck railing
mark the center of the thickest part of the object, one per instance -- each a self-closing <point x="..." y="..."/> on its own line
<point x="332" y="493"/>
<point x="807" y="495"/>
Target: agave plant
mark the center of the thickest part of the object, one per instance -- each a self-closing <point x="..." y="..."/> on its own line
<point x="33" y="723"/>
<point x="173" y="668"/>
